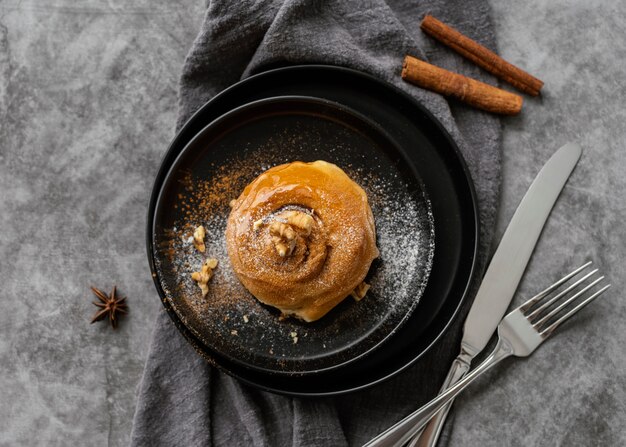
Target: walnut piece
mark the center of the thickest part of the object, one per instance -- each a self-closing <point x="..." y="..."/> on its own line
<point x="198" y="239"/>
<point x="283" y="230"/>
<point x="361" y="290"/>
<point x="283" y="237"/>
<point x="204" y="275"/>
<point x="300" y="220"/>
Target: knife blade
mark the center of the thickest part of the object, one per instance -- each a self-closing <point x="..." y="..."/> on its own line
<point x="498" y="285"/>
<point x="505" y="272"/>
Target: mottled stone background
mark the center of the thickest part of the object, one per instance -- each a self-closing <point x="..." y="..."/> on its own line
<point x="88" y="102"/>
<point x="87" y="108"/>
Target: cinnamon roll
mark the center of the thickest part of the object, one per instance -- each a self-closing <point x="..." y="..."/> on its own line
<point x="301" y="238"/>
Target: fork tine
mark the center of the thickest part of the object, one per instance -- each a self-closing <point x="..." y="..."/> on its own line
<point x="541" y="295"/>
<point x="544" y="305"/>
<point x="565" y="303"/>
<point x="548" y="331"/>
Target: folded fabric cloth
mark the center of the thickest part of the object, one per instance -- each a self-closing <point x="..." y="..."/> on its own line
<point x="184" y="401"/>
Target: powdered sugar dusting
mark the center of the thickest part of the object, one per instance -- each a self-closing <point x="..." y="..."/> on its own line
<point x="405" y="238"/>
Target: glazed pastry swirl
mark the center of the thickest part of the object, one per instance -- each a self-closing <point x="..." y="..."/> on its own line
<point x="301" y="237"/>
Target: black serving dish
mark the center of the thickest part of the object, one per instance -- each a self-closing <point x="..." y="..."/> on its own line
<point x="236" y="148"/>
<point x="423" y="149"/>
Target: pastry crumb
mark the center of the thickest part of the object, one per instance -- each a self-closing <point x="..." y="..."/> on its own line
<point x="234" y="332"/>
<point x="257" y="224"/>
<point x="294" y="337"/>
<point x="245" y="319"/>
<point x="361" y="290"/>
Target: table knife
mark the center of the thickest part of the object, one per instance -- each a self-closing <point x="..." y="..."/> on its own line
<point x="504" y="273"/>
<point x="499" y="284"/>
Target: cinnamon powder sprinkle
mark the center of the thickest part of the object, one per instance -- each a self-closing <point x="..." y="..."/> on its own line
<point x="401" y="221"/>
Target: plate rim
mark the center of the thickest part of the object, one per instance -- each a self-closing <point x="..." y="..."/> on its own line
<point x="350" y="72"/>
<point x="173" y="167"/>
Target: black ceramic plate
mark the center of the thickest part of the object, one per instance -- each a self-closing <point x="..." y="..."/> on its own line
<point x="216" y="166"/>
<point x="445" y="180"/>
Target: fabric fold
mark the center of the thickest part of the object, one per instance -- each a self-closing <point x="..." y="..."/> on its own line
<point x="184" y="401"/>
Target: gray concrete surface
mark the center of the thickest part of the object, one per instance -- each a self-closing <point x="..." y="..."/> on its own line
<point x="572" y="391"/>
<point x="87" y="106"/>
<point x="88" y="102"/>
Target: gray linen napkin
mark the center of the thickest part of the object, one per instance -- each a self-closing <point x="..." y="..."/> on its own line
<point x="182" y="400"/>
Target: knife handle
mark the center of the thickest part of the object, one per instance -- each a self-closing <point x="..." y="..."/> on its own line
<point x="429" y="436"/>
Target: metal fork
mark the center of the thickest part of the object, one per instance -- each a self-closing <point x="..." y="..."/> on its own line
<point x="519" y="334"/>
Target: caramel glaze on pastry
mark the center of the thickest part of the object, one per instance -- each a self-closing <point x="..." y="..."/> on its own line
<point x="301" y="238"/>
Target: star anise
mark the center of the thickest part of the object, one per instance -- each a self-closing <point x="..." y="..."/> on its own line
<point x="109" y="306"/>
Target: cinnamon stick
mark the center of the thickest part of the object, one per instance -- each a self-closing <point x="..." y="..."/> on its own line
<point x="481" y="56"/>
<point x="470" y="91"/>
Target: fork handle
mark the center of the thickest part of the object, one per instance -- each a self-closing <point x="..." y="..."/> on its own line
<point x="398" y="434"/>
<point x="429" y="435"/>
